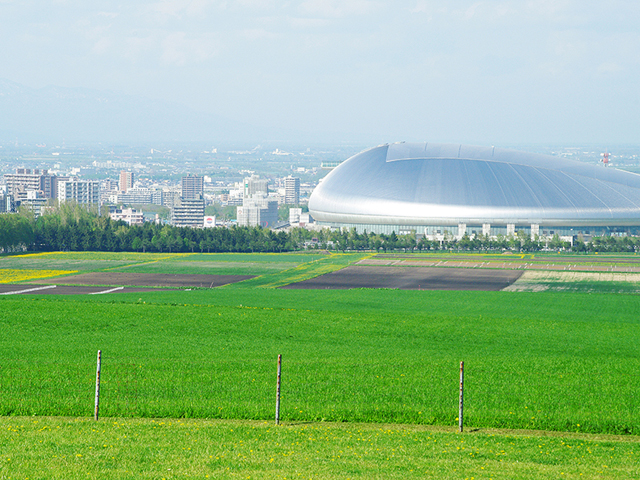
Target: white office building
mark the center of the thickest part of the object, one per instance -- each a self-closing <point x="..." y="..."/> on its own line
<point x="258" y="210"/>
<point x="81" y="191"/>
<point x="130" y="216"/>
<point x="188" y="212"/>
<point x="291" y="190"/>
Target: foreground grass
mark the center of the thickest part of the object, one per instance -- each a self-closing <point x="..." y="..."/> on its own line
<point x="564" y="362"/>
<point x="45" y="447"/>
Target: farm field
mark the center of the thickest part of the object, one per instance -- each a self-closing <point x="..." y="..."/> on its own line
<point x="167" y="263"/>
<point x="79" y="261"/>
<point x="556" y="361"/>
<point x="172" y="448"/>
<point x="540" y="258"/>
<point x="30" y="289"/>
<point x="540" y="272"/>
<point x="148" y="279"/>
<point x="408" y="278"/>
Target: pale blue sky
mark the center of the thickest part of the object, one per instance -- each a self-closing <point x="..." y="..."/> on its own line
<point x="490" y="72"/>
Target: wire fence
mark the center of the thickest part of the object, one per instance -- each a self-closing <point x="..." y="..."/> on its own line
<point x="428" y="393"/>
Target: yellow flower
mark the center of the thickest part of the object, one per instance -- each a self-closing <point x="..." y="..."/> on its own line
<point x="8" y="275"/>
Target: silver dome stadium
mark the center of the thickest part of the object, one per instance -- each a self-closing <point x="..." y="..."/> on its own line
<point x="427" y="187"/>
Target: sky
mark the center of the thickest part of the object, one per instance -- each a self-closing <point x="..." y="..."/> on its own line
<point x="485" y="72"/>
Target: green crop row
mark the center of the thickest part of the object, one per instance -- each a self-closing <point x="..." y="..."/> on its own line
<point x="170" y="263"/>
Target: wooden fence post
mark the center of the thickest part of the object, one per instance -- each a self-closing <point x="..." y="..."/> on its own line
<point x="97" y="405"/>
<point x="278" y="390"/>
<point x="461" y="410"/>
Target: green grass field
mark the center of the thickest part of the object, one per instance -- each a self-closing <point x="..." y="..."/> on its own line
<point x="164" y="448"/>
<point x="565" y="362"/>
<point x="553" y="361"/>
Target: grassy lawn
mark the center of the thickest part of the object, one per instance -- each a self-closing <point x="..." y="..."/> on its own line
<point x="370" y="377"/>
<point x="549" y="361"/>
<point x="170" y="448"/>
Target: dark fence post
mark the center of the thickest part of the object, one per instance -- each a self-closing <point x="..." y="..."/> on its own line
<point x="278" y="390"/>
<point x="97" y="405"/>
<point x="461" y="410"/>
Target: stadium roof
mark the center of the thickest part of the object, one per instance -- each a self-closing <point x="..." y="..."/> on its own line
<point x="447" y="184"/>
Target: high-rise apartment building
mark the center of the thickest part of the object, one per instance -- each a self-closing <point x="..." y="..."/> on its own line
<point x="26" y="180"/>
<point x="258" y="210"/>
<point x="291" y="190"/>
<point x="254" y="184"/>
<point x="192" y="187"/>
<point x="188" y="212"/>
<point x="135" y="196"/>
<point x="79" y="190"/>
<point x="35" y="202"/>
<point x="126" y="181"/>
<point x="6" y="203"/>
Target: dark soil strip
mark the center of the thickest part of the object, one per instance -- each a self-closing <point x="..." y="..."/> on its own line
<point x="412" y="278"/>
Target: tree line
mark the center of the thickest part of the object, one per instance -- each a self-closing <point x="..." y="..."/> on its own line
<point x="70" y="227"/>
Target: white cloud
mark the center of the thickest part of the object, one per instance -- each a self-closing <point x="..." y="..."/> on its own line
<point x="101" y="46"/>
<point x="136" y="47"/>
<point x="177" y="8"/>
<point x="339" y="8"/>
<point x="423" y="6"/>
<point x="552" y="9"/>
<point x="609" y="68"/>
<point x="430" y="8"/>
<point x="179" y="49"/>
<point x="258" y="34"/>
<point x="108" y="14"/>
<point x="256" y="4"/>
<point x="470" y="12"/>
<point x="306" y="23"/>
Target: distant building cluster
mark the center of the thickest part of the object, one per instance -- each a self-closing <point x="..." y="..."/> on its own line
<point x="435" y="191"/>
<point x="31" y="189"/>
<point x="257" y="199"/>
<point x="260" y="206"/>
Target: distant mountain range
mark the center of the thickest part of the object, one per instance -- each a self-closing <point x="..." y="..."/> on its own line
<point x="84" y="115"/>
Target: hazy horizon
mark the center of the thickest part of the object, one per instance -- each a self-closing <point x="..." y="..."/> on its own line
<point x="485" y="72"/>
